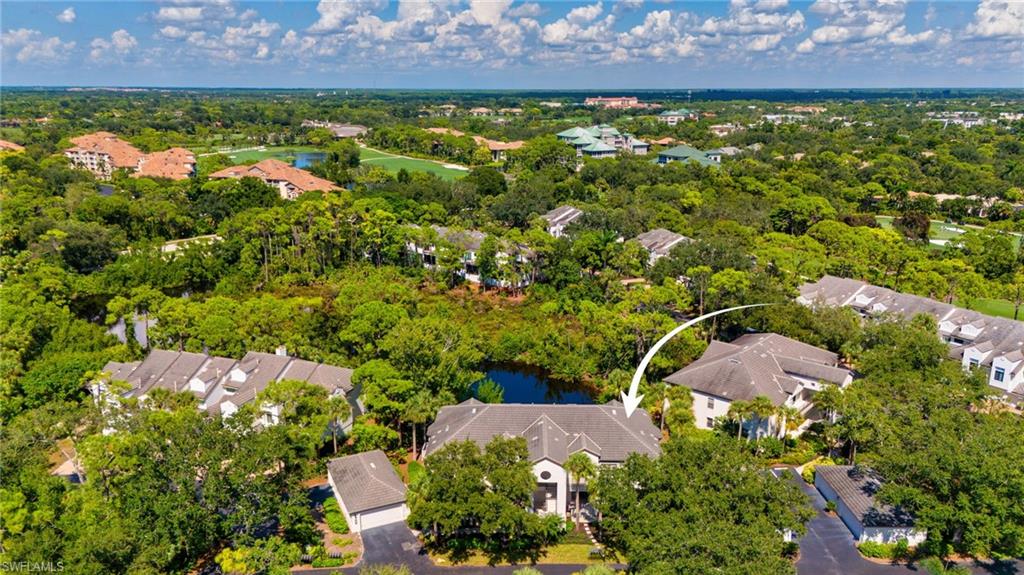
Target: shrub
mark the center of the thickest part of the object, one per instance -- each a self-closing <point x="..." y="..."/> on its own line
<point x="598" y="570"/>
<point x="334" y="518"/>
<point x="328" y="562"/>
<point x="831" y="506"/>
<point x="808" y="472"/>
<point x="526" y="571"/>
<point x="342" y="541"/>
<point x="879" y="550"/>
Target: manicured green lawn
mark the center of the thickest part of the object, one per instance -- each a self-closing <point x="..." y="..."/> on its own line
<point x="997" y="307"/>
<point x="393" y="163"/>
<point x="571" y="553"/>
<point x="283" y="153"/>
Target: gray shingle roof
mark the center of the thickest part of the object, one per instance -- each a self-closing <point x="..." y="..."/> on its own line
<point x="366" y="481"/>
<point x="174" y="370"/>
<point x="758" y="364"/>
<point x="660" y="241"/>
<point x="856" y="488"/>
<point x="1003" y="335"/>
<point x="562" y="215"/>
<point x="548" y="429"/>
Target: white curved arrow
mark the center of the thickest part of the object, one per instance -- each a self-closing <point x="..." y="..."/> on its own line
<point x="631" y="400"/>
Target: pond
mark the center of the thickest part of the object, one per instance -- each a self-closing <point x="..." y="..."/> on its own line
<point x="307" y="159"/>
<point x="525" y="384"/>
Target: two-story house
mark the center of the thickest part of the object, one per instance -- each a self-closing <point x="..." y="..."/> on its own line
<point x="552" y="433"/>
<point x="786" y="371"/>
<point x="222" y="385"/>
<point x="976" y="340"/>
<point x="559" y="219"/>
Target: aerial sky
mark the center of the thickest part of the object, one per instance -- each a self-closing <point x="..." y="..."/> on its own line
<point x="496" y="44"/>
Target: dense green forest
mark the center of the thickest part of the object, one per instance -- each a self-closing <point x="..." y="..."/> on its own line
<point x="850" y="192"/>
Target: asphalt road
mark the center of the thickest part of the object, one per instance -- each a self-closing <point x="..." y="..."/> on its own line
<point x="829" y="549"/>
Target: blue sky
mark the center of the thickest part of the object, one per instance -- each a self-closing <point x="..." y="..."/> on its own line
<point x="514" y="44"/>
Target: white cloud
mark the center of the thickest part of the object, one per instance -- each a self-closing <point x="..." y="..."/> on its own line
<point x="30" y="46"/>
<point x="66" y="16"/>
<point x="525" y="10"/>
<point x="336" y="13"/>
<point x="998" y="19"/>
<point x="262" y="52"/>
<point x="173" y="32"/>
<point x="120" y="44"/>
<point x="584" y="14"/>
<point x="180" y="14"/>
<point x="764" y="42"/>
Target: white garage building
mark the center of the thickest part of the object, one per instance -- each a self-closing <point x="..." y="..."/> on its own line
<point x="368" y="490"/>
<point x="853" y="490"/>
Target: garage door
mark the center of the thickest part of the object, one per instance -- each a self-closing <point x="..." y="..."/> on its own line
<point x="383" y="516"/>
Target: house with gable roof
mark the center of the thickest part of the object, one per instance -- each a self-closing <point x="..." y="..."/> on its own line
<point x="369" y="492"/>
<point x="291" y="182"/>
<point x="602" y="141"/>
<point x="786" y="371"/>
<point x="552" y="433"/>
<point x="994" y="345"/>
<point x="221" y="385"/>
<point x="559" y="218"/>
<point x="659" y="242"/>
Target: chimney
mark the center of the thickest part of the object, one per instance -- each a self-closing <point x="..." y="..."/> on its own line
<point x="281" y="350"/>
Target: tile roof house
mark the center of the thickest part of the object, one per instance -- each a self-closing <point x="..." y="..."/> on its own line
<point x="173" y="164"/>
<point x="659" y="242"/>
<point x="673" y="117"/>
<point x="560" y="218"/>
<point x="976" y="340"/>
<point x="786" y="371"/>
<point x="853" y="489"/>
<point x="6" y="146"/>
<point x="497" y="148"/>
<point x="368" y="490"/>
<point x="290" y="181"/>
<point x="684" y="153"/>
<point x="222" y="385"/>
<point x="552" y="433"/>
<point x="102" y="152"/>
<point x="602" y="141"/>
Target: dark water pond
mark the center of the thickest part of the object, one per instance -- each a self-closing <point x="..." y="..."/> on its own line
<point x="523" y="384"/>
<point x="307" y="159"/>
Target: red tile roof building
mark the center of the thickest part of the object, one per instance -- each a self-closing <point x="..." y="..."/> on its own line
<point x="102" y="152"/>
<point x="174" y="164"/>
<point x="290" y="181"/>
<point x="6" y="146"/>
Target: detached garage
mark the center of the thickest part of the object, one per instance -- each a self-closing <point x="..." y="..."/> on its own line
<point x="853" y="490"/>
<point x="368" y="490"/>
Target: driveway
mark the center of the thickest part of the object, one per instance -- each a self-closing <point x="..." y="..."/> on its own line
<point x="829" y="549"/>
<point x="396" y="544"/>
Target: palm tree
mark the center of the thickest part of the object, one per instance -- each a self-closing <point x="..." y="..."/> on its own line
<point x="789" y="419"/>
<point x="419" y="410"/>
<point x="582" y="468"/>
<point x="762" y="408"/>
<point x="338" y="411"/>
<point x="739" y="410"/>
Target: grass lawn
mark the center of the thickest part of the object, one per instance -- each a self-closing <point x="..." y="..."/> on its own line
<point x="283" y="153"/>
<point x="940" y="230"/>
<point x="574" y="553"/>
<point x="393" y="163"/>
<point x="996" y="307"/>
